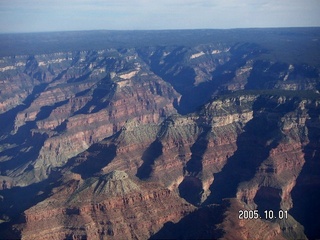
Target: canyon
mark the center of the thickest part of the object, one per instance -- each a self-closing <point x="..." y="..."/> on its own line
<point x="161" y="139"/>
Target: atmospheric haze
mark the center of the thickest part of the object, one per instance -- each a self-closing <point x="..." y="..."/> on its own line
<point x="60" y="15"/>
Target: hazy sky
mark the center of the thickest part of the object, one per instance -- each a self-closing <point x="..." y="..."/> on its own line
<point x="56" y="15"/>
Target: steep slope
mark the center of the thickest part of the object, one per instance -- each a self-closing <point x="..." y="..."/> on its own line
<point x="112" y="206"/>
<point x="151" y="134"/>
<point x="91" y="96"/>
<point x="259" y="170"/>
<point x="306" y="209"/>
<point x="219" y="222"/>
<point x="200" y="72"/>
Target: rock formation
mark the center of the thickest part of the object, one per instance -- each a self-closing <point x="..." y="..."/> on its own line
<point x="149" y="141"/>
<point x="110" y="206"/>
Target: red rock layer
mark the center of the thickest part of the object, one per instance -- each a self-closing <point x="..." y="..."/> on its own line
<point x="236" y="228"/>
<point x="87" y="101"/>
<point x="78" y="210"/>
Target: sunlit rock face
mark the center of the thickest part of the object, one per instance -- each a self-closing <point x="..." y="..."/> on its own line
<point x="149" y="141"/>
<point x="78" y="99"/>
<point x="113" y="206"/>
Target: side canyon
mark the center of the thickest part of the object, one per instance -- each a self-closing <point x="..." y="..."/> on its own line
<point x="162" y="140"/>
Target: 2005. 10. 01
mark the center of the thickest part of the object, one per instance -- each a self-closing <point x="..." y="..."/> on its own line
<point x="268" y="214"/>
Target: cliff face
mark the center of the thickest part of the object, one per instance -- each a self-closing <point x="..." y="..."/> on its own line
<point x="200" y="72"/>
<point x="222" y="152"/>
<point x="147" y="141"/>
<point x="112" y="206"/>
<point x="61" y="103"/>
<point x="80" y="99"/>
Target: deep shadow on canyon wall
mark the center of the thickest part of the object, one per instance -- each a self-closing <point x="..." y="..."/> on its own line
<point x="200" y="224"/>
<point x="261" y="134"/>
<point x="306" y="193"/>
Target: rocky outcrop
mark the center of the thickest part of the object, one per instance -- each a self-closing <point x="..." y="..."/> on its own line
<point x="137" y="142"/>
<point x="191" y="157"/>
<point x="193" y="146"/>
<point x="211" y="141"/>
<point x="90" y="97"/>
<point x="257" y="228"/>
<point x="109" y="206"/>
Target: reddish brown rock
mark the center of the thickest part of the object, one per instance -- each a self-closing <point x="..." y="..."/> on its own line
<point x="110" y="206"/>
<point x="236" y="228"/>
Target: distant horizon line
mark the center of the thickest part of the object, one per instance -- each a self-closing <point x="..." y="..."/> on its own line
<point x="151" y="30"/>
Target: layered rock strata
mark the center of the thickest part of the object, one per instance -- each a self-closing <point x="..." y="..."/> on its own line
<point x="111" y="206"/>
<point x="136" y="142"/>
